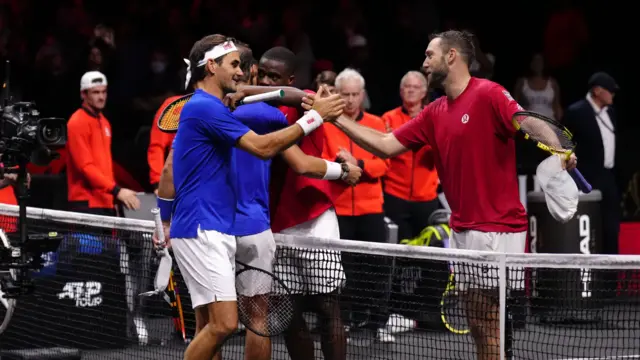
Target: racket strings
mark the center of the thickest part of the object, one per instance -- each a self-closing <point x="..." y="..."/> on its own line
<point x="264" y="304"/>
<point x="170" y="116"/>
<point x="557" y="138"/>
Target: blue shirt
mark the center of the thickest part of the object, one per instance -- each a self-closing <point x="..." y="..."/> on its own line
<point x="204" y="173"/>
<point x="254" y="174"/>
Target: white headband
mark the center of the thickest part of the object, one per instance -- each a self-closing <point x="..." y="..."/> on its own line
<point x="216" y="52"/>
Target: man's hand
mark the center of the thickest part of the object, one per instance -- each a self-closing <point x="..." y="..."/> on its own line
<point x="571" y="163"/>
<point x="231" y="100"/>
<point x="345" y="156"/>
<point x="354" y="175"/>
<point x="328" y="106"/>
<point x="166" y="226"/>
<point x="129" y="198"/>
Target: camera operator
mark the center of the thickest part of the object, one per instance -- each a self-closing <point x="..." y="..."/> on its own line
<point x="90" y="177"/>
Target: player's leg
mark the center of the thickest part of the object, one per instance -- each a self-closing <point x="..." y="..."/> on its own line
<point x="258" y="251"/>
<point x="478" y="285"/>
<point x="297" y="337"/>
<point x="206" y="266"/>
<point x="325" y="276"/>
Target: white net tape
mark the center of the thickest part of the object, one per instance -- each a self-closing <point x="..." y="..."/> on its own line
<point x="558" y="261"/>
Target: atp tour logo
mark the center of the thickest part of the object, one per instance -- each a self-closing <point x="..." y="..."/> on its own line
<point x="85" y="294"/>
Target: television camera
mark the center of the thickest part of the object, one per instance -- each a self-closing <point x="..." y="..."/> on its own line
<point x="24" y="137"/>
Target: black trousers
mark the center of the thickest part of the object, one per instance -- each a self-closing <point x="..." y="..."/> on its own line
<point x="368" y="276"/>
<point x="410" y="216"/>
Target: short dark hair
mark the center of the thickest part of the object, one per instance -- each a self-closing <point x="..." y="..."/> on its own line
<point x="282" y="55"/>
<point x="197" y="53"/>
<point x="246" y="59"/>
<point x="459" y="40"/>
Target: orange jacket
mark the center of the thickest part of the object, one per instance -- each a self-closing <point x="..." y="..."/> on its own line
<point x="412" y="176"/>
<point x="89" y="165"/>
<point x="366" y="197"/>
<point x="159" y="146"/>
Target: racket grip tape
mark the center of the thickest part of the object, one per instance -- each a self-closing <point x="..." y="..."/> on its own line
<point x="582" y="183"/>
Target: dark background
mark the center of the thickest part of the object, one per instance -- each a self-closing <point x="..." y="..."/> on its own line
<point x="50" y="42"/>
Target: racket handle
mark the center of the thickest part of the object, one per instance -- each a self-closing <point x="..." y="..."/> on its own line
<point x="268" y="96"/>
<point x="582" y="183"/>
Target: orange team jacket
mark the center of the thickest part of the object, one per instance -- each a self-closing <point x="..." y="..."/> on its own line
<point x="366" y="197"/>
<point x="159" y="146"/>
<point x="90" y="175"/>
<point x="412" y="176"/>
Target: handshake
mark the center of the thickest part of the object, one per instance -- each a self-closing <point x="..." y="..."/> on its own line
<point x="329" y="106"/>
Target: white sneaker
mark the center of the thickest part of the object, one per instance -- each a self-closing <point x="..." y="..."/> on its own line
<point x="384" y="336"/>
<point x="399" y="324"/>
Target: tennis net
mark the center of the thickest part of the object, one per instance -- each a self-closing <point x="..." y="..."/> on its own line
<point x="547" y="306"/>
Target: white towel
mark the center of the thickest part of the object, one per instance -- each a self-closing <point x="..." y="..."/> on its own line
<point x="561" y="192"/>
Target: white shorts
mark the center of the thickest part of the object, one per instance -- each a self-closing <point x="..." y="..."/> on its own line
<point x="306" y="271"/>
<point x="207" y="264"/>
<point x="478" y="276"/>
<point x="257" y="251"/>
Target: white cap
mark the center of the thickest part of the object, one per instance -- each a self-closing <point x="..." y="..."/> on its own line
<point x="92" y="79"/>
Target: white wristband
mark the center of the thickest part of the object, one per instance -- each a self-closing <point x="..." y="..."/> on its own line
<point x="334" y="171"/>
<point x="310" y="121"/>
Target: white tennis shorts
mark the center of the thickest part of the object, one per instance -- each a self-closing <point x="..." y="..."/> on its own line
<point x="207" y="264"/>
<point x="309" y="272"/>
<point x="479" y="276"/>
<point x="258" y="251"/>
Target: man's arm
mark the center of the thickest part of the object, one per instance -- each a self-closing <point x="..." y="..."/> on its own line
<point x="318" y="168"/>
<point x="292" y="96"/>
<point x="166" y="189"/>
<point x="267" y="146"/>
<point x="383" y="145"/>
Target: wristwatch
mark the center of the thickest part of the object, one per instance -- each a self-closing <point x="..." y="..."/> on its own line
<point x="345" y="171"/>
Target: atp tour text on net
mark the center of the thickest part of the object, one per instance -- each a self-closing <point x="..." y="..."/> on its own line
<point x="85" y="293"/>
<point x="584" y="231"/>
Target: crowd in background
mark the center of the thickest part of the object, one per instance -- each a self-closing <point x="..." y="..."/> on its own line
<point x="140" y="49"/>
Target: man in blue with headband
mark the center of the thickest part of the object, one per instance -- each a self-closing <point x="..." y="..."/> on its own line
<point x="205" y="180"/>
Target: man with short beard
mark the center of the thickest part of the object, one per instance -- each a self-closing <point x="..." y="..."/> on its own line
<point x="472" y="135"/>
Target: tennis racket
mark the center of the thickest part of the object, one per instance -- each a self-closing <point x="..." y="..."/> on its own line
<point x="172" y="297"/>
<point x="550" y="136"/>
<point x="452" y="306"/>
<point x="165" y="264"/>
<point x="170" y="115"/>
<point x="265" y="303"/>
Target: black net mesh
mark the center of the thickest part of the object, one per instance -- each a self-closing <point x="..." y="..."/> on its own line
<point x="86" y="299"/>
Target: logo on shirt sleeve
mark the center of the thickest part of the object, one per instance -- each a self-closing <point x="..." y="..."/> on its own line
<point x="508" y="95"/>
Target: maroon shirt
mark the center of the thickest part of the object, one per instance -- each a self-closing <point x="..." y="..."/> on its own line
<point x="473" y="140"/>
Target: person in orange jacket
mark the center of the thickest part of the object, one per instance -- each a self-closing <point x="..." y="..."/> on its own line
<point x="90" y="177"/>
<point x="359" y="209"/>
<point x="410" y="185"/>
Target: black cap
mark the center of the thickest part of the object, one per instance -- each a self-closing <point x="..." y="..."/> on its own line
<point x="603" y="80"/>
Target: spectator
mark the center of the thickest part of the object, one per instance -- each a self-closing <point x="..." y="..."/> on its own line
<point x="359" y="208"/>
<point x="90" y="177"/>
<point x="593" y="123"/>
<point x="410" y="185"/>
<point x="539" y="92"/>
<point x="326" y="78"/>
